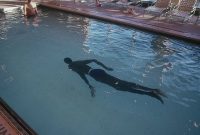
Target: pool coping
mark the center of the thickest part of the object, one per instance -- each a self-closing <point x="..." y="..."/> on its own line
<point x="182" y="31"/>
<point x="11" y="121"/>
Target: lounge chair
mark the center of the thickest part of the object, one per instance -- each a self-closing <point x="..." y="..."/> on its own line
<point x="124" y="3"/>
<point x="139" y="5"/>
<point x="172" y="5"/>
<point x="116" y="3"/>
<point x="159" y="8"/>
<point x="184" y="11"/>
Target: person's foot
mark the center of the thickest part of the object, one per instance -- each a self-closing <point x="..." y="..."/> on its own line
<point x="159" y="92"/>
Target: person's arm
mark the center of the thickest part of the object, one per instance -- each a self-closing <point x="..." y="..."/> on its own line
<point x="92" y="90"/>
<point x="95" y="61"/>
<point x="101" y="64"/>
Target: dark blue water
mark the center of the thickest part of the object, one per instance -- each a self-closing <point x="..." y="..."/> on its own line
<point x="53" y="100"/>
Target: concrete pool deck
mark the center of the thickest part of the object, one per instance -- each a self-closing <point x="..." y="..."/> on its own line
<point x="188" y="31"/>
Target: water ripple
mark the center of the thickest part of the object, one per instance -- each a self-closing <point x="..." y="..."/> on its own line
<point x="153" y="60"/>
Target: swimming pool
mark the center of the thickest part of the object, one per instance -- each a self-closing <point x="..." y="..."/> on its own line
<point x="38" y="85"/>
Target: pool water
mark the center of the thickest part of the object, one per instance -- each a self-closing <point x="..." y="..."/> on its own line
<point x="54" y="100"/>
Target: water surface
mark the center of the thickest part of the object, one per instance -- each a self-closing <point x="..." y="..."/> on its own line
<point x="37" y="84"/>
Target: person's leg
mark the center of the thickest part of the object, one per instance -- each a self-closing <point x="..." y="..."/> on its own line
<point x="138" y="89"/>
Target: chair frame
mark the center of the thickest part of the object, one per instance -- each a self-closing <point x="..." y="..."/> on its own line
<point x="161" y="5"/>
<point x="182" y="15"/>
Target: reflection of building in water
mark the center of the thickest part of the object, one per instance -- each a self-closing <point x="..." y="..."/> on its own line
<point x="3" y="28"/>
<point x="75" y="25"/>
<point x="96" y="34"/>
<point x="7" y="20"/>
<point x="79" y="25"/>
<point x="105" y="39"/>
<point x="84" y="26"/>
<point x="161" y="62"/>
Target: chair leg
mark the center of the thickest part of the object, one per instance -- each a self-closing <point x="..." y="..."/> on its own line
<point x="144" y="13"/>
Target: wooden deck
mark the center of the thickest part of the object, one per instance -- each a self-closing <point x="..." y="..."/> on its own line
<point x="186" y="31"/>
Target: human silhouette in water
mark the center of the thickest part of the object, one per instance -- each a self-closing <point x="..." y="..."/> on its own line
<point x="81" y="67"/>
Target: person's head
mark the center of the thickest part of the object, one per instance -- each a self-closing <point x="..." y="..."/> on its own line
<point x="68" y="60"/>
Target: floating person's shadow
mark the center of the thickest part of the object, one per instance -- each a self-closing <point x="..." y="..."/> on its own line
<point x="82" y="68"/>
